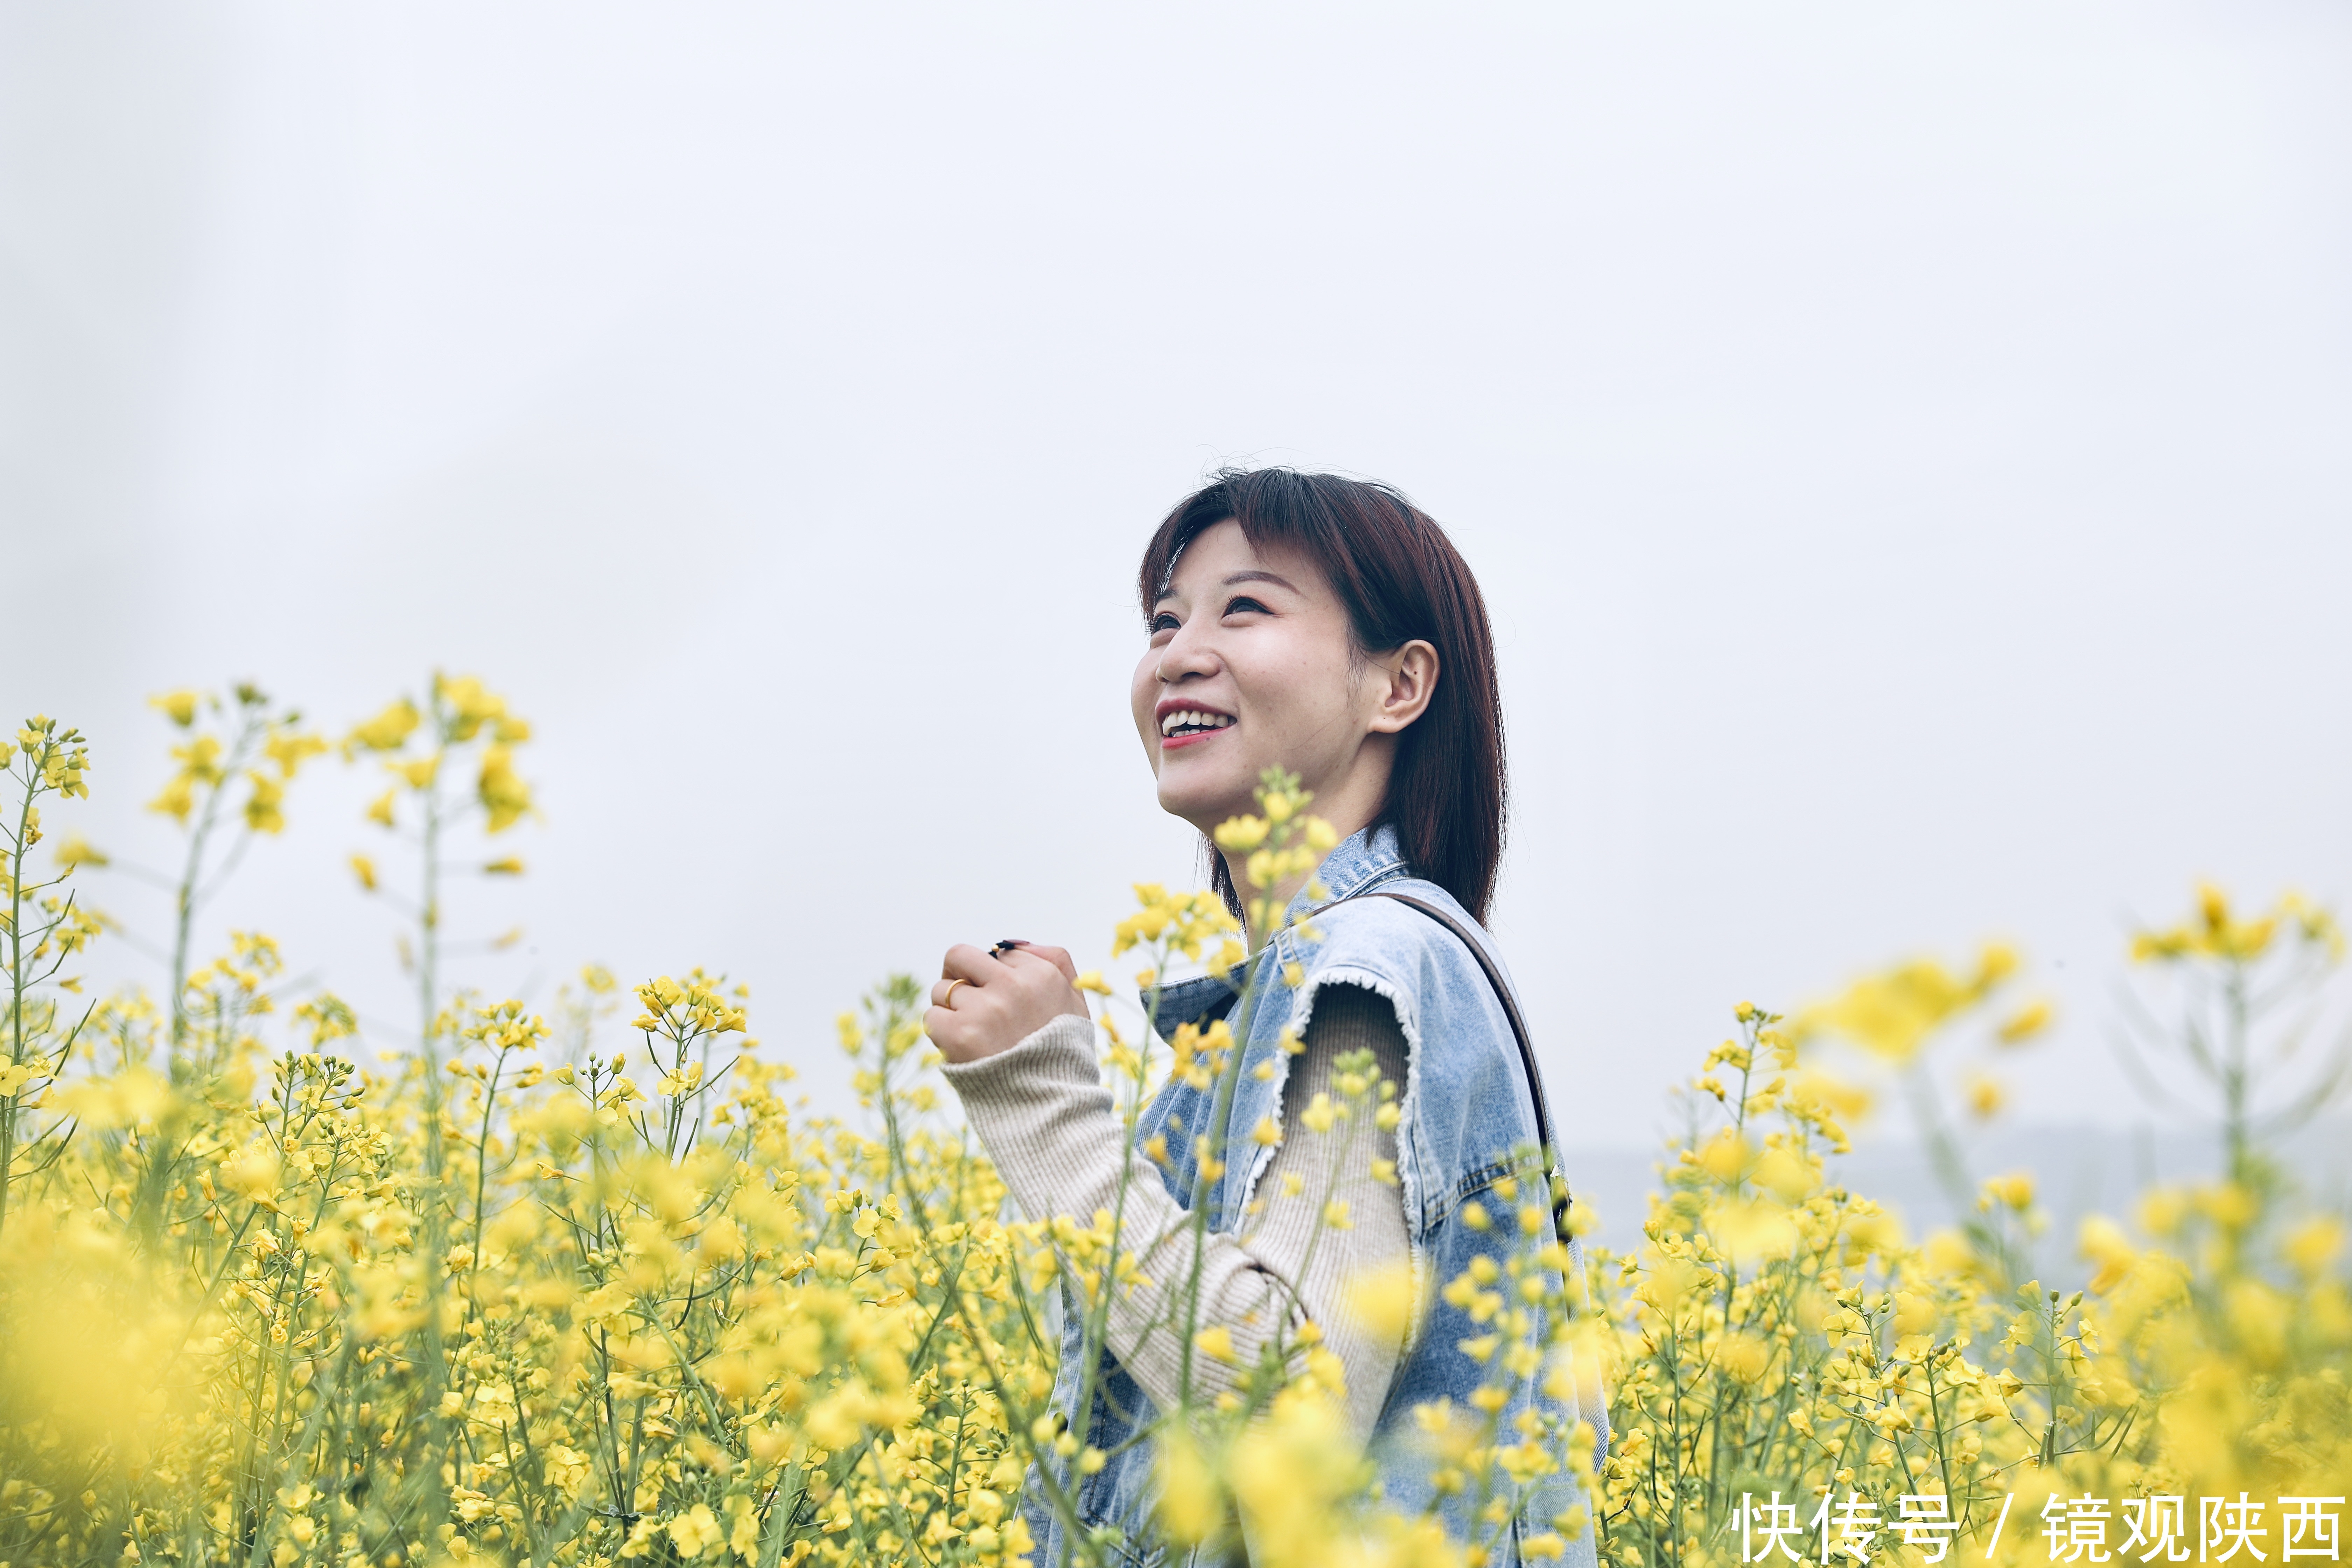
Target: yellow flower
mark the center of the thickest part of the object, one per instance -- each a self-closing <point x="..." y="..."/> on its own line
<point x="1751" y="1231"/>
<point x="1828" y="1094"/>
<point x="2028" y="1021"/>
<point x="1786" y="1175"/>
<point x="471" y="705"/>
<point x="389" y="730"/>
<point x="174" y="799"/>
<point x="504" y="795"/>
<point x="2104" y="1243"/>
<point x="1948" y="1255"/>
<point x="2215" y="932"/>
<point x="1892" y="1014"/>
<point x="508" y="865"/>
<point x="289" y="748"/>
<point x="78" y="851"/>
<point x="1385" y="1300"/>
<point x="1727" y="1156"/>
<point x="2013" y="1191"/>
<point x="380" y="809"/>
<point x="1192" y="1504"/>
<point x="328" y="1018"/>
<point x="180" y="706"/>
<point x="769" y="1291"/>
<point x="262" y="813"/>
<point x="1744" y="1357"/>
<point x="2313" y="1246"/>
<point x="1241" y="835"/>
<point x="253" y="1174"/>
<point x="695" y="1531"/>
<point x="1986" y="1096"/>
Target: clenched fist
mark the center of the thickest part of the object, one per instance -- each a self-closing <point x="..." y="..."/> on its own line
<point x="987" y="1002"/>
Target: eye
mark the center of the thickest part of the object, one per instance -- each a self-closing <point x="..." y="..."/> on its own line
<point x="1245" y="606"/>
<point x="1163" y="622"/>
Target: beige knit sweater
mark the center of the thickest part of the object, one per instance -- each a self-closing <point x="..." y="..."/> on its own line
<point x="1048" y="1122"/>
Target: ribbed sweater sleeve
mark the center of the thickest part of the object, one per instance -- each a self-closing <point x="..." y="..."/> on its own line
<point x="1048" y="1122"/>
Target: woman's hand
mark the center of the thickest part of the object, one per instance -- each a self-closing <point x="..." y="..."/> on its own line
<point x="986" y="1003"/>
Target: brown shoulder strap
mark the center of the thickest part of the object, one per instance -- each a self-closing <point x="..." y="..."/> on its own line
<point x="1520" y="1033"/>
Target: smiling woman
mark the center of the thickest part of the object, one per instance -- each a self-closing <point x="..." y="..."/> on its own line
<point x="1323" y="610"/>
<point x="1326" y="628"/>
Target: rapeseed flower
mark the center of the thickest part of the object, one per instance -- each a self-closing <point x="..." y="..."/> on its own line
<point x="518" y="1297"/>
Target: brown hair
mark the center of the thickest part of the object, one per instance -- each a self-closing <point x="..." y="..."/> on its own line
<point x="1400" y="578"/>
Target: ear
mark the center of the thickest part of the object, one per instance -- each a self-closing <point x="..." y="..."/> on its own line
<point x="1407" y="680"/>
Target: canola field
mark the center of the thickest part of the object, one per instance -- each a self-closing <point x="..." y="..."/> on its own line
<point x="589" y="1285"/>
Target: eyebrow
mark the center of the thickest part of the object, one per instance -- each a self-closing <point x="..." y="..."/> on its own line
<point x="1275" y="578"/>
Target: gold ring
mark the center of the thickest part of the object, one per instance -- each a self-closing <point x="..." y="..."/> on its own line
<point x="948" y="1000"/>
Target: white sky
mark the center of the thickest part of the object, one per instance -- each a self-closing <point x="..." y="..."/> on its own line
<point x="1905" y="447"/>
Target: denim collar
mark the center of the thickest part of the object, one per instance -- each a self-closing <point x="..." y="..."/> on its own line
<point x="1368" y="855"/>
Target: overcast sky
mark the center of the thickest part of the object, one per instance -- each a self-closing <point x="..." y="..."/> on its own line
<point x="1905" y="447"/>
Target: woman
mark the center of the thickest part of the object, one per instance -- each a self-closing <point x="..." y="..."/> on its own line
<point x="1327" y="627"/>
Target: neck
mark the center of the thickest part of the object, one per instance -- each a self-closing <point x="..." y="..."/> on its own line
<point x="1348" y="802"/>
<point x="1282" y="892"/>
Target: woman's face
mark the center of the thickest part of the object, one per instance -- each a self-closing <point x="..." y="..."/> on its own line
<point x="1252" y="666"/>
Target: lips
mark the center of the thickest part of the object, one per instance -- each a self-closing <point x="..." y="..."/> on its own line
<point x="1185" y="723"/>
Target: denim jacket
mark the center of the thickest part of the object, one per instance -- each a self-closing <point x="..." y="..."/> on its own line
<point x="1465" y="1111"/>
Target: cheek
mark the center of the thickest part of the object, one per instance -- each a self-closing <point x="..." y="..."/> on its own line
<point x="1143" y="693"/>
<point x="1289" y="682"/>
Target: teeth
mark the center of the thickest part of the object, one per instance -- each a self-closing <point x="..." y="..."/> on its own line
<point x="1194" y="719"/>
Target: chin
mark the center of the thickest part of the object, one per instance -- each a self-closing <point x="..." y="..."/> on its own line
<point x="1204" y="804"/>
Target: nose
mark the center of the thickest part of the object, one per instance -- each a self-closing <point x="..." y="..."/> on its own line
<point x="1185" y="653"/>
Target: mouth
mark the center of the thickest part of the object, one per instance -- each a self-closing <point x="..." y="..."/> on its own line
<point x="1187" y="726"/>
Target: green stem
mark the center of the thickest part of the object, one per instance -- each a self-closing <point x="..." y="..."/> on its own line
<point x="16" y="976"/>
<point x="436" y="1242"/>
<point x="2235" y="1078"/>
<point x="187" y="896"/>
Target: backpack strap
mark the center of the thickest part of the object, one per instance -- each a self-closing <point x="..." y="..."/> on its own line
<point x="1527" y="1051"/>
